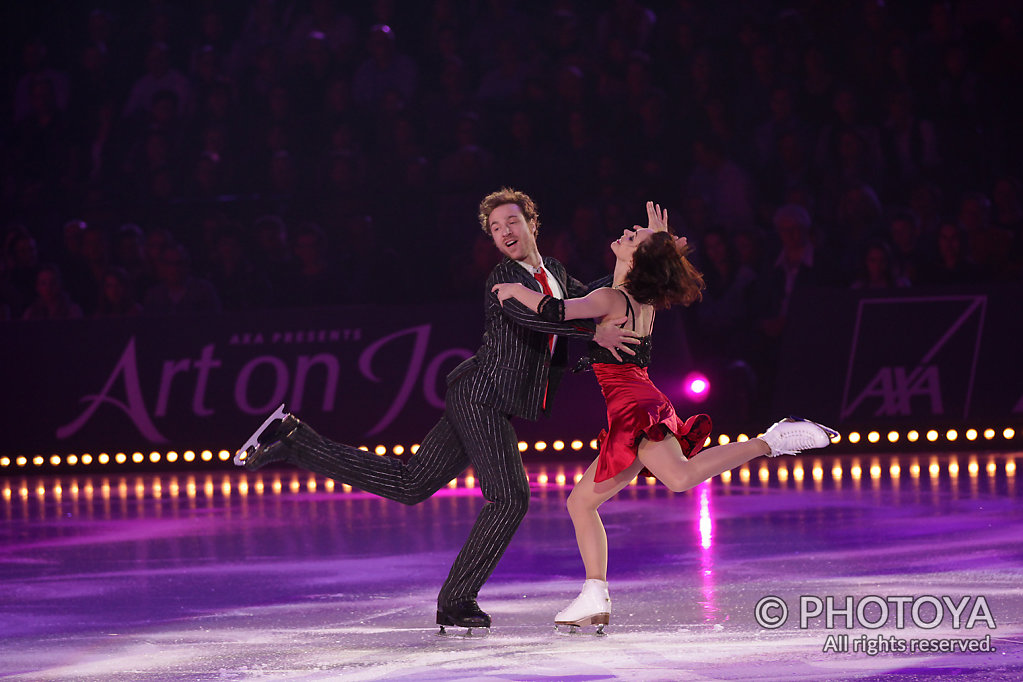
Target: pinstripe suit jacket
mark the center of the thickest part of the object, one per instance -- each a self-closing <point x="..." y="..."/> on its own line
<point x="513" y="369"/>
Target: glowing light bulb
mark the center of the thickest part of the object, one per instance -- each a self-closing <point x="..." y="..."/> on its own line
<point x="696" y="387"/>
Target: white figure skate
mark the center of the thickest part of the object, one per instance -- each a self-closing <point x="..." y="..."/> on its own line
<point x="792" y="435"/>
<point x="591" y="607"/>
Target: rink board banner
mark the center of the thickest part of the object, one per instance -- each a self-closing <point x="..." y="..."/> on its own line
<point x="366" y="375"/>
<point x="914" y="357"/>
<point x="376" y="375"/>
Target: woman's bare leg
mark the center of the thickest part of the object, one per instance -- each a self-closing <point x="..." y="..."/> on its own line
<point x="665" y="460"/>
<point x="586" y="496"/>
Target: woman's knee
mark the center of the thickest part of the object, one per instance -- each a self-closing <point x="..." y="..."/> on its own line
<point x="580" y="503"/>
<point x="678" y="483"/>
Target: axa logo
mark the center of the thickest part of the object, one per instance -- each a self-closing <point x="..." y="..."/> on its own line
<point x="914" y="356"/>
<point x="893" y="389"/>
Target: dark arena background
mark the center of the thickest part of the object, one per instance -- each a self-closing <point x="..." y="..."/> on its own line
<point x="213" y="207"/>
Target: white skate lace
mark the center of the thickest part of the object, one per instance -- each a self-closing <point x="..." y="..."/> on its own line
<point x="801" y="440"/>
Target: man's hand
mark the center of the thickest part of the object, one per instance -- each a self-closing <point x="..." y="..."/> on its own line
<point x="507" y="290"/>
<point x="609" y="335"/>
<point x="657" y="219"/>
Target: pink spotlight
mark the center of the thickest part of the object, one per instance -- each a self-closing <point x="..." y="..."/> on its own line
<point x="696" y="386"/>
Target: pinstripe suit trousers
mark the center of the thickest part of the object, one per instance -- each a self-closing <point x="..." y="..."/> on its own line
<point x="468" y="433"/>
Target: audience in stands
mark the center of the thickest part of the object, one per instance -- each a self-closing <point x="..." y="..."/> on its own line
<point x="315" y="152"/>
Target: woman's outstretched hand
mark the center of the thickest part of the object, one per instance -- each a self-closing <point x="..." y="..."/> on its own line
<point x="657" y="218"/>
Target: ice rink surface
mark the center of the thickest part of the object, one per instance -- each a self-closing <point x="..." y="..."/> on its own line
<point x="278" y="575"/>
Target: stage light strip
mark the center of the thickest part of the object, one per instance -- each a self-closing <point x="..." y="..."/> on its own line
<point x="854" y="438"/>
<point x="840" y="470"/>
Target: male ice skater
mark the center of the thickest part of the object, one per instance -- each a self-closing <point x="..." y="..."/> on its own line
<point x="514" y="373"/>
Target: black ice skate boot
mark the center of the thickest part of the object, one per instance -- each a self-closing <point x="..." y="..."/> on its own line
<point x="465" y="613"/>
<point x="267" y="444"/>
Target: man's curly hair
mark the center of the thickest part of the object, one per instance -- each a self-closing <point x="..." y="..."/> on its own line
<point x="661" y="275"/>
<point x="507" y="195"/>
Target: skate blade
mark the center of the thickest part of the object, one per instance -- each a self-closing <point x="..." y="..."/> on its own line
<point x="463" y="633"/>
<point x="253" y="442"/>
<point x="576" y="631"/>
<point x="241" y="456"/>
<point x="598" y="619"/>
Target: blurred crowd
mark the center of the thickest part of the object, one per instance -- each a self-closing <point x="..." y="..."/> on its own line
<point x="164" y="157"/>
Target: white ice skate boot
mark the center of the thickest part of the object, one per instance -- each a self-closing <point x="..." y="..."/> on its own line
<point x="792" y="435"/>
<point x="591" y="607"/>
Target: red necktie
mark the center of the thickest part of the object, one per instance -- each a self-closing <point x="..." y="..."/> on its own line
<point x="541" y="277"/>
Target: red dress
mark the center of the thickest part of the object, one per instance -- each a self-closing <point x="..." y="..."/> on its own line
<point x="637" y="409"/>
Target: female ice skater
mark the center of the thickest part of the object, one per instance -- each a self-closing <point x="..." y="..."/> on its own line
<point x="651" y="273"/>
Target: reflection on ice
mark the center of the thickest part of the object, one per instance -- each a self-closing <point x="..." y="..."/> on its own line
<point x="233" y="575"/>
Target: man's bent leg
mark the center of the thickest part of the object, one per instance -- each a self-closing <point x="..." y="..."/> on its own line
<point x="439" y="459"/>
<point x="492" y="447"/>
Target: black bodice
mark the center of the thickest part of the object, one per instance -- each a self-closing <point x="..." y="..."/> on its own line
<point x="599" y="354"/>
<point x="553" y="309"/>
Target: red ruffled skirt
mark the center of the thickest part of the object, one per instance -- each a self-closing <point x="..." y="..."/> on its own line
<point x="637" y="409"/>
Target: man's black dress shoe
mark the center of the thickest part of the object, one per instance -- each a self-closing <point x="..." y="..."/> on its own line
<point x="465" y="613"/>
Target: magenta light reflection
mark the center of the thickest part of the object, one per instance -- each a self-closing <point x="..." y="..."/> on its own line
<point x="706" y="525"/>
<point x="696" y="387"/>
<point x="706" y="529"/>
